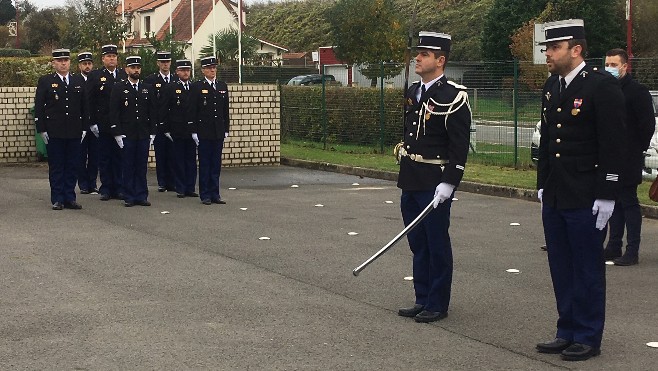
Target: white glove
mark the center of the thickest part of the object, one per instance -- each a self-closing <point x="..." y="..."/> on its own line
<point x="94" y="129"/>
<point x="119" y="140"/>
<point x="44" y="136"/>
<point x="168" y="135"/>
<point x="152" y="136"/>
<point x="226" y="135"/>
<point x="540" y="193"/>
<point x="442" y="193"/>
<point x="84" y="134"/>
<point x="604" y="208"/>
<point x="195" y="137"/>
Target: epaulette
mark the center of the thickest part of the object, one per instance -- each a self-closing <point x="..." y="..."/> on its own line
<point x="415" y="82"/>
<point x="457" y="86"/>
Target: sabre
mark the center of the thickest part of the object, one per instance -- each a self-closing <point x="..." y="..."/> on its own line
<point x="395" y="239"/>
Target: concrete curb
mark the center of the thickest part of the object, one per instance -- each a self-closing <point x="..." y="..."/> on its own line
<point x="472" y="187"/>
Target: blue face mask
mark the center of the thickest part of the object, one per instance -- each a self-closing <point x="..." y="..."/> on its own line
<point x="613" y="71"/>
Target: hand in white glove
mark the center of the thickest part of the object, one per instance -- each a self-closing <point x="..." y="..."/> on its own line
<point x="94" y="129"/>
<point x="84" y="134"/>
<point x="119" y="140"/>
<point x="540" y="193"/>
<point x="168" y="135"/>
<point x="152" y="136"/>
<point x="442" y="193"/>
<point x="45" y="137"/>
<point x="226" y="135"/>
<point x="195" y="137"/>
<point x="604" y="208"/>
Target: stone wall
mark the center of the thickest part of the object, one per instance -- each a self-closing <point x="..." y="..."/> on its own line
<point x="254" y="137"/>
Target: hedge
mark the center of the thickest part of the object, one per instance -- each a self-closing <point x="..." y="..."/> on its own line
<point x="23" y="71"/>
<point x="7" y="52"/>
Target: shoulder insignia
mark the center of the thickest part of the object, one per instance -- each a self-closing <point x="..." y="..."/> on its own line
<point x="584" y="73"/>
<point x="460" y="87"/>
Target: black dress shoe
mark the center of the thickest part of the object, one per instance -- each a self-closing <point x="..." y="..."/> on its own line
<point x="162" y="189"/>
<point x="128" y="204"/>
<point x="143" y="203"/>
<point x="626" y="260"/>
<point x="120" y="196"/>
<point x="554" y="346"/>
<point x="610" y="254"/>
<point x="84" y="192"/>
<point x="219" y="201"/>
<point x="206" y="202"/>
<point x="180" y="195"/>
<point x="72" y="205"/>
<point x="426" y="316"/>
<point x="580" y="352"/>
<point x="192" y="194"/>
<point x="58" y="206"/>
<point x="105" y="197"/>
<point x="410" y="311"/>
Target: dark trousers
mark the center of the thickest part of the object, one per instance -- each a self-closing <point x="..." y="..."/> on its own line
<point x="62" y="168"/>
<point x="88" y="170"/>
<point x="109" y="165"/>
<point x="185" y="165"/>
<point x="210" y="165"/>
<point x="135" y="154"/>
<point x="430" y="244"/>
<point x="164" y="161"/>
<point x="627" y="213"/>
<point x="575" y="258"/>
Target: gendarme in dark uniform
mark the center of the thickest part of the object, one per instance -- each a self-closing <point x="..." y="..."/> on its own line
<point x="132" y="122"/>
<point x="580" y="159"/>
<point x="163" y="146"/>
<point x="209" y="118"/>
<point x="99" y="88"/>
<point x="88" y="170"/>
<point x="432" y="160"/>
<point x="175" y="107"/>
<point x="62" y="117"/>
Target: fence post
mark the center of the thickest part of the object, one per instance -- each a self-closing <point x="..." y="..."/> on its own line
<point x="381" y="108"/>
<point x="324" y="111"/>
<point x="515" y="103"/>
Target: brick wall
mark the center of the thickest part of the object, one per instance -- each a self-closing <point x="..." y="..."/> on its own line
<point x="254" y="137"/>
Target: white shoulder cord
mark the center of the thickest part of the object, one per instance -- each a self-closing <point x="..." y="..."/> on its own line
<point x="461" y="99"/>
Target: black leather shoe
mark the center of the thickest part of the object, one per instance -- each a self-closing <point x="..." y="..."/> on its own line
<point x="579" y="352"/>
<point x="72" y="205"/>
<point x="180" y="195"/>
<point x="58" y="206"/>
<point x="219" y="201"/>
<point x="105" y="197"/>
<point x="626" y="260"/>
<point x="192" y="194"/>
<point x="128" y="204"/>
<point x="84" y="192"/>
<point x="610" y="254"/>
<point x="162" y="189"/>
<point x="206" y="202"/>
<point x="554" y="346"/>
<point x="410" y="311"/>
<point x="120" y="196"/>
<point x="143" y="203"/>
<point x="426" y="316"/>
<point x="94" y="191"/>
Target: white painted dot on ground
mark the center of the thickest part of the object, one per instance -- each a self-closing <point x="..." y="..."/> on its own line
<point x="514" y="224"/>
<point x="319" y="205"/>
<point x="355" y="184"/>
<point x="388" y="202"/>
<point x="263" y="238"/>
<point x="232" y="188"/>
<point x="294" y="186"/>
<point x="512" y="270"/>
<point x="653" y="344"/>
<point x="408" y="278"/>
<point x="352" y="233"/>
<point x="243" y="208"/>
<point x="164" y="212"/>
<point x="609" y="262"/>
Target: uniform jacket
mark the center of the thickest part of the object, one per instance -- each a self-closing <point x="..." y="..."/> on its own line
<point x="132" y="112"/>
<point x="175" y="105"/>
<point x="61" y="110"/>
<point x="209" y="109"/>
<point x="158" y="83"/>
<point x="582" y="140"/>
<point x="640" y="124"/>
<point x="434" y="136"/>
<point x="99" y="88"/>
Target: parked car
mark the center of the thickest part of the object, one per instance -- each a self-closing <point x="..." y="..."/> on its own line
<point x="312" y="80"/>
<point x="650" y="170"/>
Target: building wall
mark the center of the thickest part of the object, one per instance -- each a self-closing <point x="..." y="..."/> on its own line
<point x="223" y="21"/>
<point x="254" y="137"/>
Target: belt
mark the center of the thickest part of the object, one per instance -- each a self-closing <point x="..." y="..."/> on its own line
<point x="419" y="158"/>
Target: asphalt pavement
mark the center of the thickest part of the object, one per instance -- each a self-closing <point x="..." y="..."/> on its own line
<point x="115" y="288"/>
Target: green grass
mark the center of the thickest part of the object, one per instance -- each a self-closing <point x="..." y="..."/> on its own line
<point x="369" y="157"/>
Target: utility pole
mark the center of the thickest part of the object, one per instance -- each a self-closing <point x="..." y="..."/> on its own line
<point x="629" y="33"/>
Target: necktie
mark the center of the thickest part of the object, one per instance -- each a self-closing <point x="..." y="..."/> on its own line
<point x="563" y="86"/>
<point x="135" y="87"/>
<point x="213" y="85"/>
<point x="187" y="86"/>
<point x="422" y="90"/>
<point x="64" y="80"/>
<point x="166" y="79"/>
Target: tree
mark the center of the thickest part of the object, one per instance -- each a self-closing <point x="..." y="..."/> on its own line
<point x="25" y="8"/>
<point x="167" y="43"/>
<point x="367" y="32"/>
<point x="7" y="11"/>
<point x="42" y="30"/>
<point x="226" y="42"/>
<point x="645" y="28"/>
<point x="99" y="24"/>
<point x="502" y="21"/>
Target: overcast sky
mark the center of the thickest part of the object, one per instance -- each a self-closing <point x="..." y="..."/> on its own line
<point x="52" y="3"/>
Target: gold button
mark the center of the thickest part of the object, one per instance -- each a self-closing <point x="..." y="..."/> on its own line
<point x="557" y="155"/>
<point x="559" y="109"/>
<point x="559" y="126"/>
<point x="558" y="140"/>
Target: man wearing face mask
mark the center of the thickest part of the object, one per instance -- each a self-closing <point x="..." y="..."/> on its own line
<point x="640" y="124"/>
